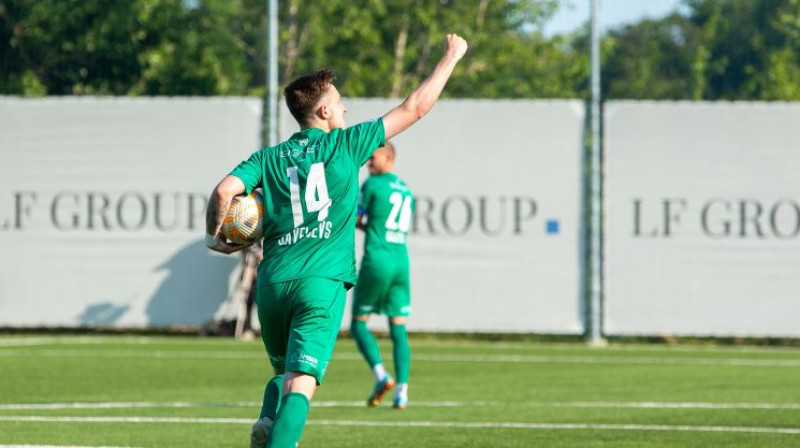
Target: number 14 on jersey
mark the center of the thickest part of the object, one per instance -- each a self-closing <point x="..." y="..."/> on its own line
<point x="316" y="193"/>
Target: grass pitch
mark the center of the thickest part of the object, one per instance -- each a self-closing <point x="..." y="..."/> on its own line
<point x="192" y="392"/>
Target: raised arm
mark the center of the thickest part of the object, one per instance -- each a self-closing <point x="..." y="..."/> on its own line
<point x="422" y="99"/>
<point x="218" y="205"/>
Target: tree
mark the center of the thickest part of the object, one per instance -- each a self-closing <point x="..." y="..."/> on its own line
<point x="755" y="47"/>
<point x="217" y="47"/>
<point x="385" y="47"/>
<point x="720" y="50"/>
<point x="651" y="59"/>
<point x="717" y="49"/>
<point x="96" y="47"/>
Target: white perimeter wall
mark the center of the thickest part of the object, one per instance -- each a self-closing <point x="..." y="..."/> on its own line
<point x="102" y="208"/>
<point x="702" y="219"/>
<point x="488" y="176"/>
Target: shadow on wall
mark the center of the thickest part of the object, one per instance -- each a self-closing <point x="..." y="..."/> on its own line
<point x="102" y="314"/>
<point x="195" y="287"/>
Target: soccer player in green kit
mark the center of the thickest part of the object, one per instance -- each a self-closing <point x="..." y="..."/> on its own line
<point x="310" y="184"/>
<point x="384" y="210"/>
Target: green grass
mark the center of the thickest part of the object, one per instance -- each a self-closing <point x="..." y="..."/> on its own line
<point x="462" y="394"/>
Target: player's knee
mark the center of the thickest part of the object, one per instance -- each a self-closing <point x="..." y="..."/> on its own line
<point x="300" y="382"/>
<point x="399" y="320"/>
<point x="397" y="331"/>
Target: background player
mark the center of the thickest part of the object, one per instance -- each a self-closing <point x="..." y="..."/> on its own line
<point x="385" y="210"/>
<point x="310" y="186"/>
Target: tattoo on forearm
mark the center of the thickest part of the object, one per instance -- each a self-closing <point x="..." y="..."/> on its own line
<point x="215" y="213"/>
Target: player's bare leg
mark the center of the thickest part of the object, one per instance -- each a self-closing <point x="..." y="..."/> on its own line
<point x="402" y="359"/>
<point x="298" y="390"/>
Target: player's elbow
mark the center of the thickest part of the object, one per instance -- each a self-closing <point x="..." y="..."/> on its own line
<point x="220" y="192"/>
<point x="402" y="117"/>
<point x="418" y="108"/>
<point x="226" y="189"/>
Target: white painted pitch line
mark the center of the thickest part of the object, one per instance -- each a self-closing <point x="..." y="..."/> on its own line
<point x="240" y="404"/>
<point x="80" y="340"/>
<point x="674" y="405"/>
<point x="123" y="405"/>
<point x="11" y="418"/>
<point x="595" y="426"/>
<point x="146" y="340"/>
<point x="540" y="359"/>
<point x="58" y="446"/>
<point x="27" y="342"/>
<point x="100" y="340"/>
<point x="753" y="362"/>
<point x="614" y="347"/>
<point x="423" y="404"/>
<point x="136" y="354"/>
<point x="419" y="424"/>
<point x="726" y="349"/>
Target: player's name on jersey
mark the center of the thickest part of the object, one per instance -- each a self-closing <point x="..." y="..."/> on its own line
<point x="398" y="186"/>
<point x="395" y="237"/>
<point x="321" y="231"/>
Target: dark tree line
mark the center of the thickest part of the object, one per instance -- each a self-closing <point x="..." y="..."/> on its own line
<point x="719" y="49"/>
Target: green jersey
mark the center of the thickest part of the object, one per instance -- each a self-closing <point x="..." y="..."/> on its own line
<point x="310" y="187"/>
<point x="388" y="205"/>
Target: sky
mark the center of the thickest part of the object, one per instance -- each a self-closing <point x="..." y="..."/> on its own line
<point x="612" y="13"/>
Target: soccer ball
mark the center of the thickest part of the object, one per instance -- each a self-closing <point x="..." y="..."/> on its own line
<point x="244" y="223"/>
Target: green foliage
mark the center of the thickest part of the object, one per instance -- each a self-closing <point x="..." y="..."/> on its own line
<point x="716" y="49"/>
<point x="96" y="47"/>
<point x="652" y="59"/>
<point x="722" y="50"/>
<point x="218" y="47"/>
<point x="386" y="47"/>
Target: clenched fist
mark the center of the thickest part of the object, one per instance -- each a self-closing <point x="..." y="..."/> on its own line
<point x="455" y="46"/>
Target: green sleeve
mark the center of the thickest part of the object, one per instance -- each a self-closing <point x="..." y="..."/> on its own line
<point x="363" y="139"/>
<point x="251" y="171"/>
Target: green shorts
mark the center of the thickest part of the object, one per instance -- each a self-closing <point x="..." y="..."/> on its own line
<point x="300" y="320"/>
<point x="383" y="288"/>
